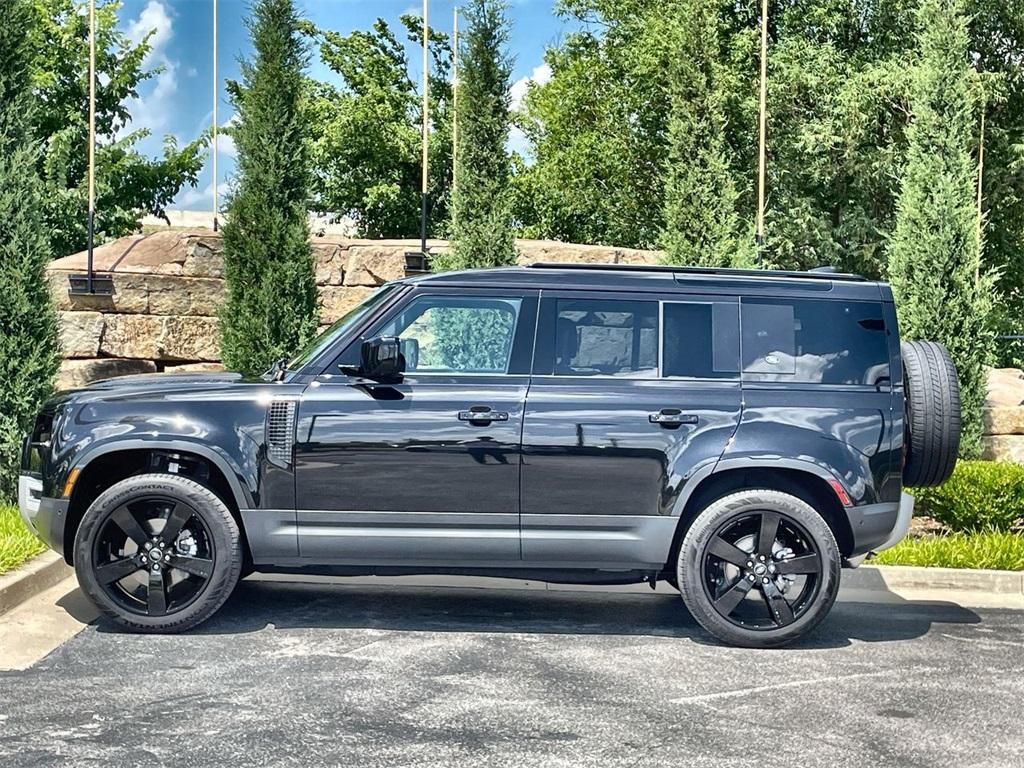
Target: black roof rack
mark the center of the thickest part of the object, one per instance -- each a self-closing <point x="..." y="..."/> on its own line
<point x="712" y="271"/>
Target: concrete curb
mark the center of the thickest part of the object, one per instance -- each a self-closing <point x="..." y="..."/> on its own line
<point x="37" y="575"/>
<point x="908" y="577"/>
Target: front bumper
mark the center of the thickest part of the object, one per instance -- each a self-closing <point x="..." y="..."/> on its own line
<point x="45" y="517"/>
<point x="30" y="496"/>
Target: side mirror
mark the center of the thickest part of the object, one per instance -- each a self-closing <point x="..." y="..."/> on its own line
<point x="382" y="359"/>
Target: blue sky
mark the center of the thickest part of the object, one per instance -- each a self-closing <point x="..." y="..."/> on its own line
<point x="179" y="100"/>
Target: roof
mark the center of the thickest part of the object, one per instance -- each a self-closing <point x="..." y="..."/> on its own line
<point x="662" y="279"/>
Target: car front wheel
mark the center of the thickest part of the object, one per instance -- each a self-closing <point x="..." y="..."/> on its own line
<point x="759" y="568"/>
<point x="158" y="553"/>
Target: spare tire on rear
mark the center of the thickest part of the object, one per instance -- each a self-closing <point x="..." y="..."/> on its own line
<point x="932" y="428"/>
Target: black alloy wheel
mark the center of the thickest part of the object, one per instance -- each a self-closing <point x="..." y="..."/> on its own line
<point x="153" y="555"/>
<point x="761" y="571"/>
<point x="759" y="568"/>
<point x="158" y="553"/>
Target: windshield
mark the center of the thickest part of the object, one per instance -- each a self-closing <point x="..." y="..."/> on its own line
<point x="321" y="342"/>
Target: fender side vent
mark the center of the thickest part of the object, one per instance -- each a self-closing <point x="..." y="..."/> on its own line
<point x="281" y="431"/>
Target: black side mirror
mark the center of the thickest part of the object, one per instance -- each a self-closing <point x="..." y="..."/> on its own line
<point x="382" y="359"/>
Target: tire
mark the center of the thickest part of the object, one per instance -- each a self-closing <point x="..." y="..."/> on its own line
<point x="710" y="583"/>
<point x="126" y="567"/>
<point x="932" y="424"/>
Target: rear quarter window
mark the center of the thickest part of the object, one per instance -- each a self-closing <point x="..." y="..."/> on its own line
<point x="814" y="341"/>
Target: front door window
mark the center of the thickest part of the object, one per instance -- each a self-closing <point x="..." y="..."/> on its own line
<point x="445" y="334"/>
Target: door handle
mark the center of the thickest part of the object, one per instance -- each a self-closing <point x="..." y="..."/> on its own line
<point x="481" y="414"/>
<point x="672" y="417"/>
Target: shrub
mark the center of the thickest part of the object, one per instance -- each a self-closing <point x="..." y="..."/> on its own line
<point x="983" y="549"/>
<point x="979" y="495"/>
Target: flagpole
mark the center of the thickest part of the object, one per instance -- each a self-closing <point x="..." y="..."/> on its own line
<point x="762" y="120"/>
<point x="215" y="125"/>
<point x="92" y="139"/>
<point x="426" y="129"/>
<point x="455" y="106"/>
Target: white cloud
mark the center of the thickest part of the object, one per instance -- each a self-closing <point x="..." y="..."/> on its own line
<point x="201" y="199"/>
<point x="153" y="108"/>
<point x="541" y="74"/>
<point x="226" y="143"/>
<point x="155" y="18"/>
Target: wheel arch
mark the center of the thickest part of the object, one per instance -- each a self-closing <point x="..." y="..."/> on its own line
<point x="110" y="464"/>
<point x="804" y="480"/>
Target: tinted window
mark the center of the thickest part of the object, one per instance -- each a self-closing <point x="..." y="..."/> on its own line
<point x="443" y="334"/>
<point x="701" y="340"/>
<point x="597" y="337"/>
<point x="827" y="342"/>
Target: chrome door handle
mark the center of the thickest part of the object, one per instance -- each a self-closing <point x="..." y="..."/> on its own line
<point x="672" y="417"/>
<point x="482" y="415"/>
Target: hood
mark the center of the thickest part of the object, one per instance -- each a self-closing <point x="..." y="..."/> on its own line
<point x="146" y="381"/>
<point x="148" y="385"/>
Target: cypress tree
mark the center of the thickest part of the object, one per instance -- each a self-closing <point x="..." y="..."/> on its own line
<point x="482" y="223"/>
<point x="701" y="223"/>
<point x="28" y="327"/>
<point x="934" y="253"/>
<point x="271" y="304"/>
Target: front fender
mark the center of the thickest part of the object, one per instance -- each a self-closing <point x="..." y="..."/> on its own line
<point x="228" y="430"/>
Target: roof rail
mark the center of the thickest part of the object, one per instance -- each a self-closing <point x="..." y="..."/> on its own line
<point x="713" y="271"/>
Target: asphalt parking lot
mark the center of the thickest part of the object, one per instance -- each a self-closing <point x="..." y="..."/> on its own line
<point x="292" y="674"/>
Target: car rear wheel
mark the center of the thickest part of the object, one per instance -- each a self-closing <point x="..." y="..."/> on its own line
<point x="759" y="569"/>
<point x="158" y="553"/>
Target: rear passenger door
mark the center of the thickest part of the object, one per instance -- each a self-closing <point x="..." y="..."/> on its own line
<point x="631" y="393"/>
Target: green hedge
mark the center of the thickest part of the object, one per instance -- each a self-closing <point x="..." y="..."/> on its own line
<point x="981" y="495"/>
<point x="984" y="549"/>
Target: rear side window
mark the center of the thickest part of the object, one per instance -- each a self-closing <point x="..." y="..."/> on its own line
<point x="701" y="340"/>
<point x="814" y="341"/>
<point x="598" y="337"/>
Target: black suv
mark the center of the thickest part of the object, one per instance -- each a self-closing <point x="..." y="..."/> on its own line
<point x="741" y="435"/>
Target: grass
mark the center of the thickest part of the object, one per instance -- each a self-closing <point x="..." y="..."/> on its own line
<point x="984" y="549"/>
<point x="17" y="544"/>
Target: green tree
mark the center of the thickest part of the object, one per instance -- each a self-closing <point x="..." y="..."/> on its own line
<point x="597" y="129"/>
<point x="935" y="260"/>
<point x="28" y="328"/>
<point x="271" y="304"/>
<point x="128" y="184"/>
<point x="366" y="135"/>
<point x="481" y="215"/>
<point x="701" y="222"/>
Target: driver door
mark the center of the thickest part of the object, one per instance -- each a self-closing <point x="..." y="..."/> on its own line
<point x="424" y="470"/>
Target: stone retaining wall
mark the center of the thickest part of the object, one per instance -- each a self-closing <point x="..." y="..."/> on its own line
<point x="1004" y="416"/>
<point x="169" y="285"/>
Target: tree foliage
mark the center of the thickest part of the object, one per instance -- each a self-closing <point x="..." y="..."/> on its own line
<point x="366" y="136"/>
<point x="837" y="119"/>
<point x="702" y="224"/>
<point x="481" y="217"/>
<point x="597" y="129"/>
<point x="28" y="329"/>
<point x="128" y="184"/>
<point x="941" y="290"/>
<point x="271" y="307"/>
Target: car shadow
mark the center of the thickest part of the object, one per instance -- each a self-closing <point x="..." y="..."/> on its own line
<point x="264" y="604"/>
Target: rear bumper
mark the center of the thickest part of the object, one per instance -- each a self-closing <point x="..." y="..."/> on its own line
<point x="45" y="517"/>
<point x="879" y="526"/>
